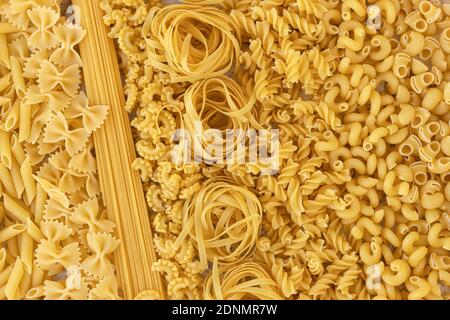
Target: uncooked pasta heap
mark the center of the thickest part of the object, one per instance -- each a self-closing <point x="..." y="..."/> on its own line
<point x="55" y="238"/>
<point x="288" y="149"/>
<point x="359" y="91"/>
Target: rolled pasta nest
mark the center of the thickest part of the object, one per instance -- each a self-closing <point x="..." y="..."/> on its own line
<point x="217" y="111"/>
<point x="223" y="221"/>
<point x="247" y="280"/>
<point x="191" y="42"/>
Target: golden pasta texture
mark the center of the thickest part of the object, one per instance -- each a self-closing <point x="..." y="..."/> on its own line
<point x="359" y="91"/>
<point x="56" y="242"/>
<point x="287" y="149"/>
<point x="114" y="153"/>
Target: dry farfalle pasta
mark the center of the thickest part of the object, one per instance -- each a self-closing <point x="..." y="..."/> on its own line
<point x="56" y="242"/>
<point x="359" y="91"/>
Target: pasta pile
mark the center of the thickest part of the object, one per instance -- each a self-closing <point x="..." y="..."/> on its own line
<point x="122" y="191"/>
<point x="360" y="93"/>
<point x="56" y="242"/>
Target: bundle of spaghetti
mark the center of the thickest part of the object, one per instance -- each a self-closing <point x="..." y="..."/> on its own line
<point x="121" y="187"/>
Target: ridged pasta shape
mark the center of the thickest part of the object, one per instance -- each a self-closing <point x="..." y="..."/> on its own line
<point x="43" y="18"/>
<point x="49" y="78"/>
<point x="68" y="36"/>
<point x="88" y="213"/>
<point x="55" y="290"/>
<point x="102" y="245"/>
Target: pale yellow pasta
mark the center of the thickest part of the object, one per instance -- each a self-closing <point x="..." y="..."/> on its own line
<point x="444" y="40"/>
<point x="438" y="60"/>
<point x="25" y="122"/>
<point x="17" y="77"/>
<point x="17" y="178"/>
<point x="5" y="146"/>
<point x="6" y="272"/>
<point x="27" y="178"/>
<point x="12" y="286"/>
<point x="445" y="145"/>
<point x="40" y="73"/>
<point x="34" y="231"/>
<point x="416" y="22"/>
<point x="401" y="65"/>
<point x="421" y="288"/>
<point x="360" y="95"/>
<point x="35" y="293"/>
<point x="26" y="252"/>
<point x="418" y="66"/>
<point x="12" y="117"/>
<point x="11" y="232"/>
<point x="430" y="11"/>
<point x="397" y="272"/>
<point x="432" y="98"/>
<point x="4" y="55"/>
<point x="413" y="42"/>
<point x="2" y="259"/>
<point x="422" y="81"/>
<point x="429" y="151"/>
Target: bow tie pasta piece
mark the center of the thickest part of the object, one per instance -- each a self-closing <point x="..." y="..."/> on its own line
<point x="52" y="101"/>
<point x="57" y="130"/>
<point x="106" y="289"/>
<point x="102" y="245"/>
<point x="54" y="257"/>
<point x="34" y="62"/>
<point x="51" y="254"/>
<point x="50" y="78"/>
<point x="57" y="290"/>
<point x="72" y="181"/>
<point x="67" y="180"/>
<point x="92" y="186"/>
<point x="60" y="160"/>
<point x="48" y="172"/>
<point x="55" y="231"/>
<point x="16" y="11"/>
<point x="92" y="116"/>
<point x="19" y="48"/>
<point x="84" y="161"/>
<point x="44" y="19"/>
<point x="88" y="213"/>
<point x="69" y="36"/>
<point x="48" y="148"/>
